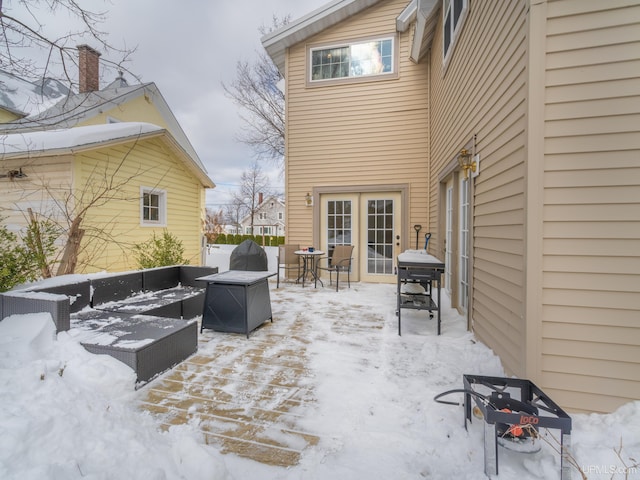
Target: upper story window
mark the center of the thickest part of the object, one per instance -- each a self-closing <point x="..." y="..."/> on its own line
<point x="153" y="207"/>
<point x="452" y="13"/>
<point x="353" y="60"/>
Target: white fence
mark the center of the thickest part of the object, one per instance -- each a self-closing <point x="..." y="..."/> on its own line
<point x="218" y="256"/>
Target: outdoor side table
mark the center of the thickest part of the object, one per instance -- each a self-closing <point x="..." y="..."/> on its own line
<point x="309" y="265"/>
<point x="236" y="301"/>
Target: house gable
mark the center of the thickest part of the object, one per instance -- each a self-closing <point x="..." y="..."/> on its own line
<point x="65" y="170"/>
<point x="123" y="103"/>
<point x="360" y="133"/>
<point x="270" y="214"/>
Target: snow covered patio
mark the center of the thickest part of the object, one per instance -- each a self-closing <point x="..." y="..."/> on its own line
<point x="330" y="388"/>
<point x="327" y="391"/>
<point x="329" y="377"/>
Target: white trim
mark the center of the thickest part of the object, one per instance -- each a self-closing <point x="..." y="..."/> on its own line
<point x="446" y="56"/>
<point x="276" y="43"/>
<point x="349" y="44"/>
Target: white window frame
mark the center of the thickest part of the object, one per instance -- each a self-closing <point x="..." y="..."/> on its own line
<point x="354" y="44"/>
<point x="448" y="11"/>
<point x="162" y="207"/>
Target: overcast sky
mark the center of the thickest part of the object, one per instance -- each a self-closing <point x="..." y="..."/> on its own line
<point x="188" y="48"/>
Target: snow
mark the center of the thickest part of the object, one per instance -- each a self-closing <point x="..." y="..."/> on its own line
<point x="41" y="141"/>
<point x="67" y="414"/>
<point x="23" y="96"/>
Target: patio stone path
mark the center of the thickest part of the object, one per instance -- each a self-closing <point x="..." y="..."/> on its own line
<point x="247" y="396"/>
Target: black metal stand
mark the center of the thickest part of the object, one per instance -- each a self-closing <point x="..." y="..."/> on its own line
<point x="428" y="275"/>
<point x="550" y="416"/>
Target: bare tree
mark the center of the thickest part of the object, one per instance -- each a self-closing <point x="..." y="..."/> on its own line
<point x="66" y="210"/>
<point x="214" y="224"/>
<point x="257" y="92"/>
<point x="234" y="212"/>
<point x="253" y="183"/>
<point x="26" y="38"/>
<point x="23" y="31"/>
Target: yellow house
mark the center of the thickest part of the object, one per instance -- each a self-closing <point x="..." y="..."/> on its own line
<point x="118" y="151"/>
<point x="540" y="230"/>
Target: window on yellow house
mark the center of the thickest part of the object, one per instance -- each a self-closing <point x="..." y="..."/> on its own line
<point x="353" y="60"/>
<point x="153" y="207"/>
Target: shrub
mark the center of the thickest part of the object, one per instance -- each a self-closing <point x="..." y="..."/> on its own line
<point x="160" y="251"/>
<point x="16" y="265"/>
<point x="236" y="239"/>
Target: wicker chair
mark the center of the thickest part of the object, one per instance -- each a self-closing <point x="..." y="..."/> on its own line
<point x="288" y="260"/>
<point x="339" y="261"/>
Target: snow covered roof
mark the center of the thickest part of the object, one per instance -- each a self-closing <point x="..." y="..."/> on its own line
<point x="34" y="143"/>
<point x="73" y="109"/>
<point x="73" y="140"/>
<point x="24" y="98"/>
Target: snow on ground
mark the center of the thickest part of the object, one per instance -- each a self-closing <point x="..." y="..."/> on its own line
<point x="67" y="414"/>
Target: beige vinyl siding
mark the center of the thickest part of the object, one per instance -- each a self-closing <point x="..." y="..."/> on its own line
<point x="591" y="246"/>
<point x="482" y="92"/>
<point x="17" y="196"/>
<point x="117" y="223"/>
<point x="370" y="132"/>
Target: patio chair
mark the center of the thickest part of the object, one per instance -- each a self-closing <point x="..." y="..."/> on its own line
<point x="288" y="260"/>
<point x="339" y="261"/>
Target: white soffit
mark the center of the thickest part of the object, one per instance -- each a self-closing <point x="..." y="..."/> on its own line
<point x="424" y="14"/>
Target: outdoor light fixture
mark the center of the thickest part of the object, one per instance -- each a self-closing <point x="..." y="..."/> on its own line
<point x="12" y="174"/>
<point x="308" y="200"/>
<point x="466" y="163"/>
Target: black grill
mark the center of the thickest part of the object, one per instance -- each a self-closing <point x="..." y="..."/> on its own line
<point x="249" y="256"/>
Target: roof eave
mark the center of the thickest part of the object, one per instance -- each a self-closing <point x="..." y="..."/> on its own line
<point x="426" y="21"/>
<point x="276" y="43"/>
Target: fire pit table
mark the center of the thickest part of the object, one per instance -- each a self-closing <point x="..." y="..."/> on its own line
<point x="236" y="301"/>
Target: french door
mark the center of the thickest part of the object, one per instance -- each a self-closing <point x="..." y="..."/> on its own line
<point x="456" y="252"/>
<point x="370" y="222"/>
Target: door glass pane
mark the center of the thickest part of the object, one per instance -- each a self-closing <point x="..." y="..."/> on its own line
<point x="380" y="237"/>
<point x="338" y="223"/>
<point x="448" y="240"/>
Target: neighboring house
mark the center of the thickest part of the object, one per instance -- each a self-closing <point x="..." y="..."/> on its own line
<point x="122" y="143"/>
<point x="20" y="98"/>
<point x="268" y="218"/>
<point x="542" y="242"/>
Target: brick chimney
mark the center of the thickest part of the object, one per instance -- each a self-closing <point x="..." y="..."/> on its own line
<point x="260" y="198"/>
<point x="89" y="69"/>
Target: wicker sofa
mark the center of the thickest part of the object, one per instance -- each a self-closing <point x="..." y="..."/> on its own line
<point x="144" y="318"/>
